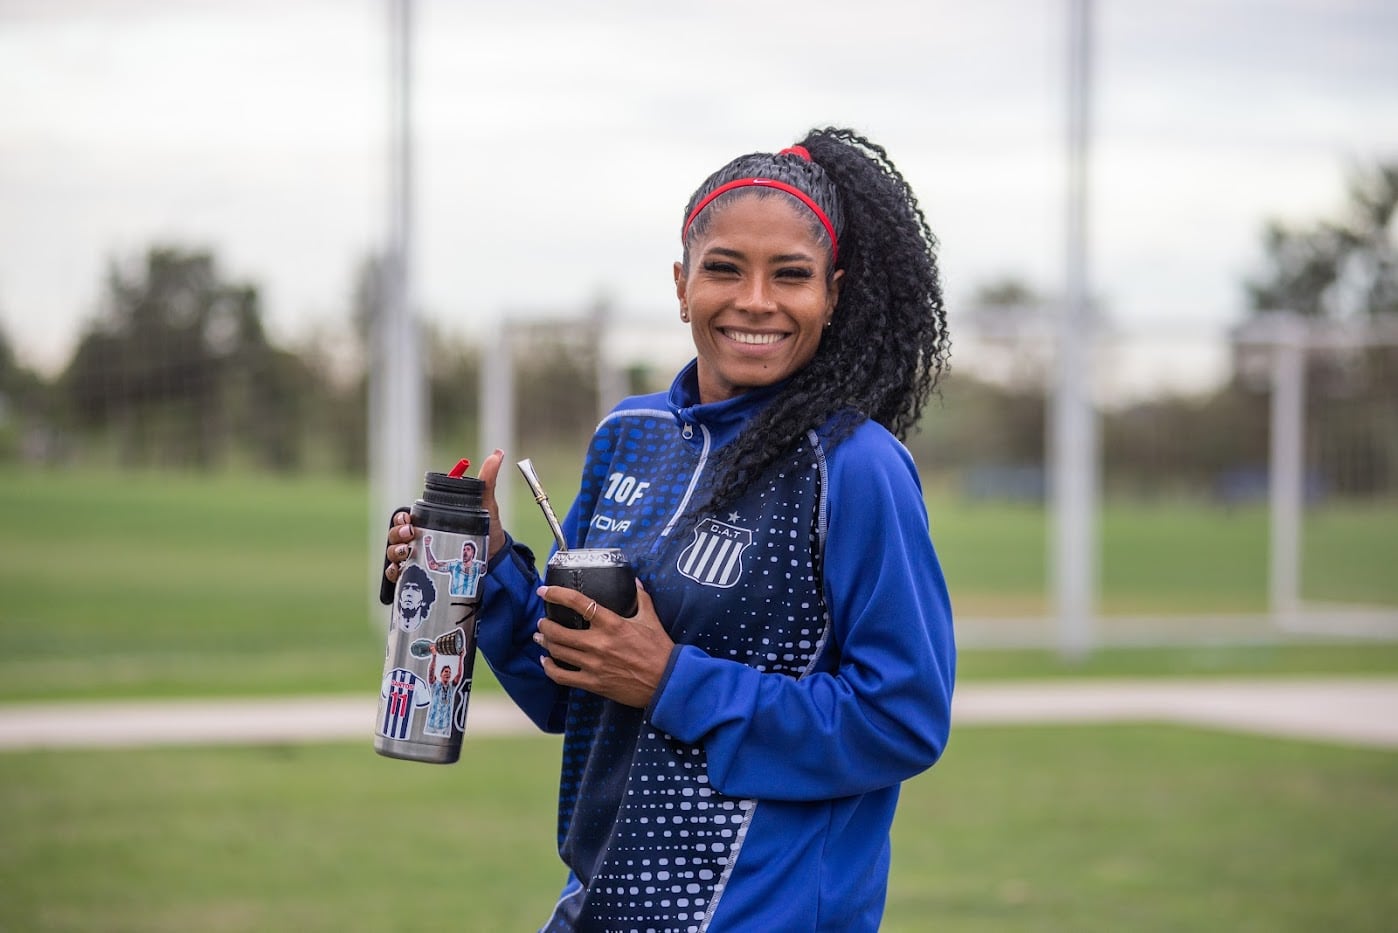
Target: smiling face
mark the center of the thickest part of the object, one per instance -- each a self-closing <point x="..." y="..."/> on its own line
<point x="757" y="293"/>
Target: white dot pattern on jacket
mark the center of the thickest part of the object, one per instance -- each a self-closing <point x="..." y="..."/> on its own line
<point x="639" y="821"/>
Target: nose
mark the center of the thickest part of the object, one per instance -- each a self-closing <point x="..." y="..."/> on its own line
<point x="758" y="296"/>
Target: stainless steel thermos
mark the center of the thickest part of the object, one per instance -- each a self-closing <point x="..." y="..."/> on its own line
<point x="431" y="647"/>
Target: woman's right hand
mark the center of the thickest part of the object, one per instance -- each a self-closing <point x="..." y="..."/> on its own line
<point x="401" y="532"/>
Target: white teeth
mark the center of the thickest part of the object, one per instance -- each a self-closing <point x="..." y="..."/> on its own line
<point x="756" y="339"/>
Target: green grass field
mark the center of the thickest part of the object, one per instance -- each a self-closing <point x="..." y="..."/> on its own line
<point x="1039" y="830"/>
<point x="170" y="585"/>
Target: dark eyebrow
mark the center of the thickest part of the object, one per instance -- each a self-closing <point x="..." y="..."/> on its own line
<point x="776" y="260"/>
<point x="723" y="251"/>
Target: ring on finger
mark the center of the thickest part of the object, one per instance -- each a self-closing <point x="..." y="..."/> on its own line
<point x="589" y="612"/>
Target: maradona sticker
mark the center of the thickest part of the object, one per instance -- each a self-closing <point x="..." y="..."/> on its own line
<point x="413" y="598"/>
<point x="715" y="556"/>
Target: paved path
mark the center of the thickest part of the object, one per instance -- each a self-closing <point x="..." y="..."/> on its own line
<point x="1345" y="710"/>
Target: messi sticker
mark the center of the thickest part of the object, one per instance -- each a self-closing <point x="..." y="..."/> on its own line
<point x="405" y="692"/>
<point x="715" y="556"/>
<point x="464" y="573"/>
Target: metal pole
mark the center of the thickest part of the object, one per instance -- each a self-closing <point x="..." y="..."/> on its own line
<point x="1073" y="544"/>
<point x="1286" y="488"/>
<point x="397" y="409"/>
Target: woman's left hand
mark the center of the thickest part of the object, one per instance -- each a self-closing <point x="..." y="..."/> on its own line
<point x="619" y="658"/>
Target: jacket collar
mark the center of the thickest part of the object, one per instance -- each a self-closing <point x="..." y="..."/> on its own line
<point x="723" y="419"/>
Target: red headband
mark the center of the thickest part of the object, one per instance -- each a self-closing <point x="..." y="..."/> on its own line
<point x="795" y="192"/>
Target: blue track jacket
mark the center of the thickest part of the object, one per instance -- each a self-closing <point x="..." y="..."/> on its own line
<point x="812" y="674"/>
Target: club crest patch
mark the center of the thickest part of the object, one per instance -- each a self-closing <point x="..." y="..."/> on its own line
<point x="715" y="556"/>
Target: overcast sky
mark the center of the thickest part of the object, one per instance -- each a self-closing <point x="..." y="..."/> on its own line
<point x="557" y="142"/>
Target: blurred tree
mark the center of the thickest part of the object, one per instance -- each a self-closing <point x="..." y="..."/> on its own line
<point x="335" y="354"/>
<point x="454" y="385"/>
<point x="1014" y="314"/>
<point x="142" y="367"/>
<point x="1014" y="413"/>
<point x="1336" y="267"/>
<point x="989" y="427"/>
<point x="1186" y="445"/>
<point x="1333" y="272"/>
<point x="177" y="367"/>
<point x="556" y="385"/>
<point x="26" y="410"/>
<point x="265" y="388"/>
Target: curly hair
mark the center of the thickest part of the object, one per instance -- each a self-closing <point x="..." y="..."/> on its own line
<point x="887" y="344"/>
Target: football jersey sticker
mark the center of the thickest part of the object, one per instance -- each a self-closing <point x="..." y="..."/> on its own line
<point x="405" y="692"/>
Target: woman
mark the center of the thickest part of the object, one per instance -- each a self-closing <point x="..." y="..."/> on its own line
<point x="733" y="752"/>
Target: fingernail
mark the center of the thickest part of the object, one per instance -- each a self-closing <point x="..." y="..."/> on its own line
<point x="538" y="639"/>
<point x="403" y="550"/>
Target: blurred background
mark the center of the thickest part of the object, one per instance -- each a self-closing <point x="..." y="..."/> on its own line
<point x="248" y="249"/>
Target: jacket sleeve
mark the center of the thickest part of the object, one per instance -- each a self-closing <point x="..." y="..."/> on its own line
<point x="878" y="710"/>
<point x="510" y="610"/>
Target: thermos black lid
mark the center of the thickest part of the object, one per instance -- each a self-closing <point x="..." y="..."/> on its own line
<point x="460" y="492"/>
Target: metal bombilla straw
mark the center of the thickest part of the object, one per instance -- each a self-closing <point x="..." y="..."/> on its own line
<point x="526" y="466"/>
